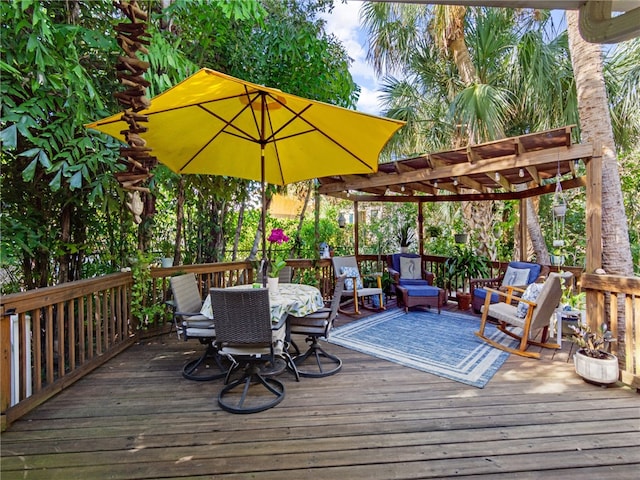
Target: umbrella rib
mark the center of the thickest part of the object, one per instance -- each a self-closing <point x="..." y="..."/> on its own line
<point x="312" y="128"/>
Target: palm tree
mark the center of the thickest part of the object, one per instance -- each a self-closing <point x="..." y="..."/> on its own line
<point x="595" y="127"/>
<point x="468" y="80"/>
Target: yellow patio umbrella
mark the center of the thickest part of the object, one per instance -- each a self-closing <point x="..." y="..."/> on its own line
<point x="215" y="124"/>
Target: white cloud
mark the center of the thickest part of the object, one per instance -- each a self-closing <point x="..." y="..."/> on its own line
<point x="345" y="25"/>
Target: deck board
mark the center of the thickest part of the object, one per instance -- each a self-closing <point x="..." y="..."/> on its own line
<point x="136" y="417"/>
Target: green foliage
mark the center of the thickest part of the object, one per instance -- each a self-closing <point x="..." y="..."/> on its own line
<point x="464" y="263"/>
<point x="53" y="175"/>
<point x="144" y="307"/>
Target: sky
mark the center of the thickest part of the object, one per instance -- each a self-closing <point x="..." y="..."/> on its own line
<point x="344" y="24"/>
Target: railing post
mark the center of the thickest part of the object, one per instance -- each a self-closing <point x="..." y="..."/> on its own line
<point x="5" y="368"/>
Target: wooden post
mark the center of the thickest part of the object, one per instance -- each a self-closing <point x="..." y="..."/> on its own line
<point x="595" y="302"/>
<point x="356" y="243"/>
<point x="5" y="368"/>
<point x="420" y="230"/>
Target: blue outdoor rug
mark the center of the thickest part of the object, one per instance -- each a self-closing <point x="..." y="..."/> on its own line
<point x="442" y="344"/>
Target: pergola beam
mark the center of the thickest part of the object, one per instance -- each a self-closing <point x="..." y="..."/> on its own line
<point x="488" y="166"/>
<point x="467" y="197"/>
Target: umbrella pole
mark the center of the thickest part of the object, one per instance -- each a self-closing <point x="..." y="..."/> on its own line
<point x="263" y="264"/>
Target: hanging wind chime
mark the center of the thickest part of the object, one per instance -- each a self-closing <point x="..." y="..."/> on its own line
<point x="559" y="208"/>
<point x="133" y="37"/>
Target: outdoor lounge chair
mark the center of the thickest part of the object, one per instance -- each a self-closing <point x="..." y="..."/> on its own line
<point x="513" y="273"/>
<point x="190" y="323"/>
<point x="412" y="285"/>
<point x="529" y="315"/>
<point x="244" y="336"/>
<point x="314" y="326"/>
<point x="354" y="289"/>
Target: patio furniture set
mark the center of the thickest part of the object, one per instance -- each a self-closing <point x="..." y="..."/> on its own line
<point x="251" y="333"/>
<point x="253" y="326"/>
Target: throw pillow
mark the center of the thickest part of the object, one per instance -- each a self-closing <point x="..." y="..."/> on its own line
<point x="515" y="276"/>
<point x="351" y="272"/>
<point x="531" y="294"/>
<point x="410" y="268"/>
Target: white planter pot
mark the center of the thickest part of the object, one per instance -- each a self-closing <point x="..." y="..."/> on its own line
<point x="272" y="284"/>
<point x="404" y="249"/>
<point x="166" y="262"/>
<point x="557" y="260"/>
<point x="558" y="243"/>
<point x="560" y="210"/>
<point x="596" y="370"/>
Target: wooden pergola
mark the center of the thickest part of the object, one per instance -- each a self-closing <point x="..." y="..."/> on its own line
<point x="514" y="168"/>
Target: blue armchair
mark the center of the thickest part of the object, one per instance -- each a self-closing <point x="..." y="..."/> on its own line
<point x="411" y="276"/>
<point x="514" y="275"/>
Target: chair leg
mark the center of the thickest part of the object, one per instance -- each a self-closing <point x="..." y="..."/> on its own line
<point x="201" y="369"/>
<point x="318" y="353"/>
<point x="233" y="401"/>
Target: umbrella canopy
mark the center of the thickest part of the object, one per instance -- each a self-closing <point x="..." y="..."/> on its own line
<point x="212" y="123"/>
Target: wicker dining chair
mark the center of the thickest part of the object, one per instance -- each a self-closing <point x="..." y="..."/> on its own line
<point x="315" y="326"/>
<point x="244" y="335"/>
<point x="190" y="323"/>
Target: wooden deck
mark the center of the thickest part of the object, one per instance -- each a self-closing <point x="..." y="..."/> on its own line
<point x="136" y="417"/>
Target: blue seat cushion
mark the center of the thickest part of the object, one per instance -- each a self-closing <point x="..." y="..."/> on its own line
<point x="418" y="282"/>
<point x="422" y="291"/>
<point x="482" y="294"/>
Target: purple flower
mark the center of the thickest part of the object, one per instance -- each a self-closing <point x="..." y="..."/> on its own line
<point x="278" y="236"/>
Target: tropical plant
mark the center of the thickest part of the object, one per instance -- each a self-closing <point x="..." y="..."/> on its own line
<point x="592" y="344"/>
<point x="405" y="234"/>
<point x="144" y="307"/>
<point x="465" y="263"/>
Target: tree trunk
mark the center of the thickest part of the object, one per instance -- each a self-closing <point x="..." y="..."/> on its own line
<point x="257" y="241"/>
<point x="236" y="238"/>
<point x="65" y="238"/>
<point x="595" y="126"/>
<point x="294" y="251"/>
<point x="535" y="233"/>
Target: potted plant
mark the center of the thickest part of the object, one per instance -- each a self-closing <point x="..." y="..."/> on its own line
<point x="166" y="249"/>
<point x="405" y="236"/>
<point x="434" y="231"/>
<point x="276" y="263"/>
<point x="592" y="361"/>
<point x="460" y="237"/>
<point x="464" y="264"/>
<point x="557" y="257"/>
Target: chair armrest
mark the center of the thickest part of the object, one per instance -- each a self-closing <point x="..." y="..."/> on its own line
<point x="544" y="273"/>
<point x="187" y="314"/>
<point x="485" y="282"/>
<point x="510" y="297"/>
<point x="429" y="277"/>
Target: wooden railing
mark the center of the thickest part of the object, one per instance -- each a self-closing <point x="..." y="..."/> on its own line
<point x="51" y="337"/>
<point x="616" y="300"/>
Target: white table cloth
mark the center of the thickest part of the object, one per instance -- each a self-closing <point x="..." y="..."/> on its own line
<point x="290" y="299"/>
